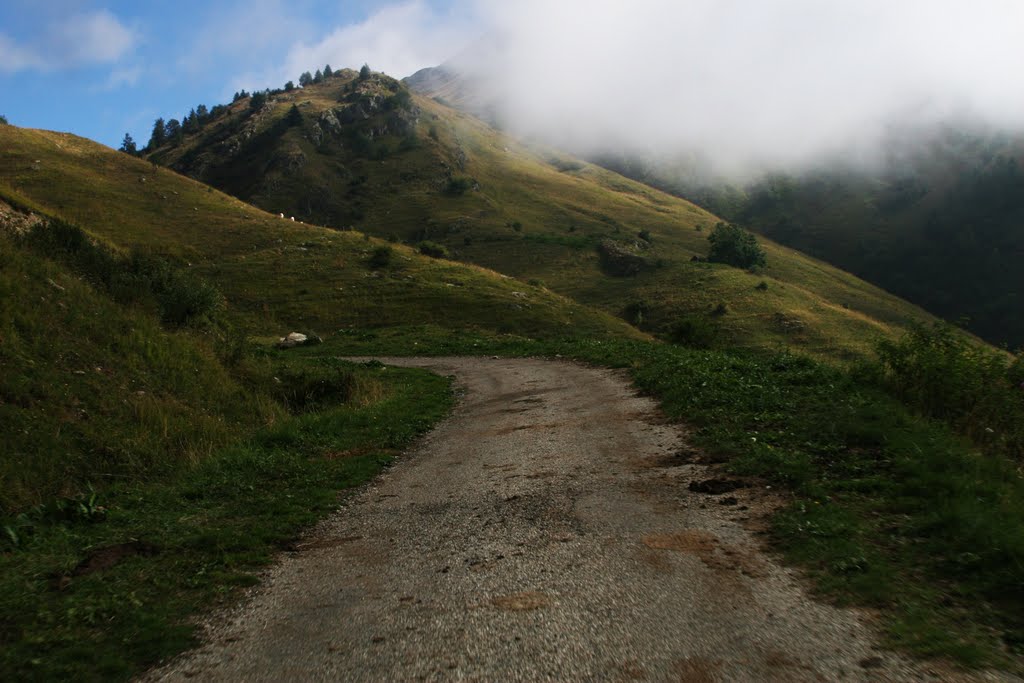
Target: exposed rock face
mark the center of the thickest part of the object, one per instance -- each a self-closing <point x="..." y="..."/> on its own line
<point x="12" y="220"/>
<point x="329" y="123"/>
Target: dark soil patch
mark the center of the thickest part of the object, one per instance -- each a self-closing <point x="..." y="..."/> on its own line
<point x="715" y="487"/>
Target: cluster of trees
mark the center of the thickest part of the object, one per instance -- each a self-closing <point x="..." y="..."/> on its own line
<point x="173" y="131"/>
<point x="3" y="120"/>
<point x="308" y="79"/>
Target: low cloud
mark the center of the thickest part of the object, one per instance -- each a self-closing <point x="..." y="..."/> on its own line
<point x="85" y="39"/>
<point x="748" y="83"/>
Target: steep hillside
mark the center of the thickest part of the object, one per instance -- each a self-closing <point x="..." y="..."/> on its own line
<point x="361" y="152"/>
<point x="277" y="275"/>
<point x="942" y="224"/>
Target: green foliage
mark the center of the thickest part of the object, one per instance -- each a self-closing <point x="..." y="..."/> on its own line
<point x="401" y="100"/>
<point x="128" y="145"/>
<point x="305" y="79"/>
<point x="294" y="116"/>
<point x="159" y="136"/>
<point x="364" y="72"/>
<point x="257" y="101"/>
<point x="458" y="185"/>
<point x="289" y="86"/>
<point x="3" y="120"/>
<point x="696" y="331"/>
<point x="328" y="71"/>
<point x="381" y="257"/>
<point x="433" y="249"/>
<point x="734" y="246"/>
<point x="945" y="375"/>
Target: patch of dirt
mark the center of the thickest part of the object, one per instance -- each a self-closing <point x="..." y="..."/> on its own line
<point x="716" y="486"/>
<point x="712" y="552"/>
<point x="521" y="602"/>
<point x="104" y="558"/>
<point x="696" y="670"/>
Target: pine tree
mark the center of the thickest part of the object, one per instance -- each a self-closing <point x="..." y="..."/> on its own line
<point x="365" y="72"/>
<point x="172" y="131"/>
<point x="318" y="76"/>
<point x="159" y="136"/>
<point x="289" y="86"/>
<point x="328" y="72"/>
<point x="3" y="120"/>
<point x="128" y="145"/>
<point x="305" y="79"/>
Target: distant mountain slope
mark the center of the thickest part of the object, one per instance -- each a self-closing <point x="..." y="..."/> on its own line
<point x="942" y="225"/>
<point x="277" y="275"/>
<point x="364" y="153"/>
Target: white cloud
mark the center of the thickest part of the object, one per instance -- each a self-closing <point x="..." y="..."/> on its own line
<point x="397" y="39"/>
<point x="124" y="77"/>
<point x="15" y="58"/>
<point x="747" y="82"/>
<point x="83" y="39"/>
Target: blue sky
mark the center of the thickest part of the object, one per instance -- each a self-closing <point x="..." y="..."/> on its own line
<point x="100" y="69"/>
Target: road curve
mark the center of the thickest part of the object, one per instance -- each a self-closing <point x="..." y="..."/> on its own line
<point x="543" y="532"/>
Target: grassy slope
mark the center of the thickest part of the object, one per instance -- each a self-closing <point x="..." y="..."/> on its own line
<point x="92" y="392"/>
<point x="564" y="209"/>
<point x="276" y="275"/>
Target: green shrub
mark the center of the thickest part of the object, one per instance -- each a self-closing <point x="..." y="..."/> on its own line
<point x="458" y="185"/>
<point x="734" y="246"/>
<point x="381" y="257"/>
<point x="433" y="249"/>
<point x="302" y="388"/>
<point x="696" y="331"/>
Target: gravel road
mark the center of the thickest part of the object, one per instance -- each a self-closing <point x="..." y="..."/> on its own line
<point x="544" y="532"/>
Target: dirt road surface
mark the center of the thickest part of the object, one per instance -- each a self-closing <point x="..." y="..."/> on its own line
<point x="544" y="532"/>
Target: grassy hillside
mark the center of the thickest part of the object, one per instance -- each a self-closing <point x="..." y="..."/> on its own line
<point x="277" y="275"/>
<point x="942" y="225"/>
<point x="362" y="153"/>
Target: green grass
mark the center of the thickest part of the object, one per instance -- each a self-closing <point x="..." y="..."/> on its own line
<point x="93" y="392"/>
<point x="887" y="509"/>
<point x="276" y="275"/>
<point x="202" y="534"/>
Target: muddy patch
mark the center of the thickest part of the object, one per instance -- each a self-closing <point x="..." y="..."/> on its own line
<point x="521" y="602"/>
<point x="712" y="552"/>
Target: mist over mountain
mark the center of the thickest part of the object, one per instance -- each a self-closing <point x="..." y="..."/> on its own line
<point x="743" y="86"/>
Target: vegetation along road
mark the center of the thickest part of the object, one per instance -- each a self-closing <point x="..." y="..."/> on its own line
<point x="547" y="530"/>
